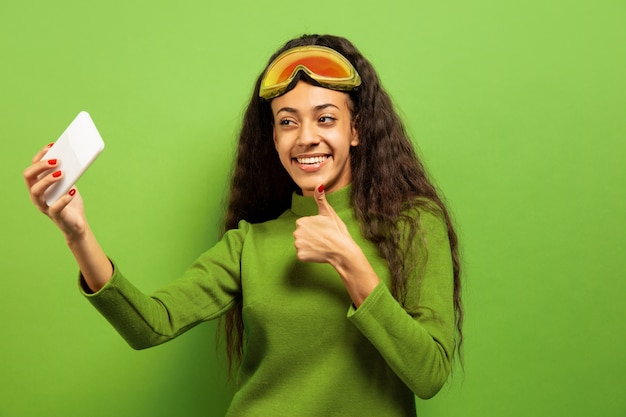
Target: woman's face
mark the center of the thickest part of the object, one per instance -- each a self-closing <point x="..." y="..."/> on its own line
<point x="313" y="133"/>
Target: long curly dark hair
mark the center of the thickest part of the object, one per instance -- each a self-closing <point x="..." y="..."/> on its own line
<point x="388" y="180"/>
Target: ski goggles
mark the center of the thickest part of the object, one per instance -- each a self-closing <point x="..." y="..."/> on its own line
<point x="323" y="65"/>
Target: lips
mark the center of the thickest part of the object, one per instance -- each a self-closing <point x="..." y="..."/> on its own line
<point x="312" y="160"/>
<point x="311" y="163"/>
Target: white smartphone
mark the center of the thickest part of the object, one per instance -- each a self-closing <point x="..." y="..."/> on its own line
<point x="77" y="147"/>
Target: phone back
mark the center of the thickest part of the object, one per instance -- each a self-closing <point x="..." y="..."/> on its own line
<point x="76" y="149"/>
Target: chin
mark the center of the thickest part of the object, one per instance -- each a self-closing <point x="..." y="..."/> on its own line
<point x="308" y="188"/>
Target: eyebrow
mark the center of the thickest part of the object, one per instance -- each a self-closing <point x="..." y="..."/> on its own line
<point x="316" y="108"/>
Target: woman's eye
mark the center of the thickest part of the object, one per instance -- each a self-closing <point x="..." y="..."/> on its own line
<point x="286" y="122"/>
<point x="326" y="119"/>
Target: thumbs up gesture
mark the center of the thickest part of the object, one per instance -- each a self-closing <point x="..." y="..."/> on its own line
<point x="321" y="238"/>
<point x="325" y="239"/>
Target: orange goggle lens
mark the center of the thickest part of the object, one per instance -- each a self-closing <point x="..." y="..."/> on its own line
<point x="326" y="66"/>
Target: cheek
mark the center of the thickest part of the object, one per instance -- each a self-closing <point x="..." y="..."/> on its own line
<point x="345" y="140"/>
<point x="284" y="152"/>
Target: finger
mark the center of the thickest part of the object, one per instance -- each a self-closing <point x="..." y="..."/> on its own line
<point x="39" y="187"/>
<point x="41" y="153"/>
<point x="38" y="165"/>
<point x="33" y="173"/>
<point x="62" y="202"/>
<point x="325" y="209"/>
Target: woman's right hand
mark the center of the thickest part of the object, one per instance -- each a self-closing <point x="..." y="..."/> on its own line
<point x="69" y="215"/>
<point x="67" y="212"/>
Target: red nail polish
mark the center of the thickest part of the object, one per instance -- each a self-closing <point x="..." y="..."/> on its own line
<point x="50" y="145"/>
<point x="52" y="161"/>
<point x="72" y="191"/>
<point x="320" y="189"/>
<point x="56" y="174"/>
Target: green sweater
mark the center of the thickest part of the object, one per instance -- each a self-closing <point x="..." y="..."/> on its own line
<point x="308" y="352"/>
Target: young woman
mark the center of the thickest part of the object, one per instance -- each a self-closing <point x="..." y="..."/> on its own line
<point x="337" y="275"/>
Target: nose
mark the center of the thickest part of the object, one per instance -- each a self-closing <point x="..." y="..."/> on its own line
<point x="308" y="135"/>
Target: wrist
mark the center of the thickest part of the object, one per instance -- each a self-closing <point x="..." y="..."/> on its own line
<point x="76" y="236"/>
<point x="347" y="260"/>
<point x="356" y="272"/>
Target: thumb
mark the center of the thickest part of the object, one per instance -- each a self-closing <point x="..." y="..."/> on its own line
<point x="325" y="209"/>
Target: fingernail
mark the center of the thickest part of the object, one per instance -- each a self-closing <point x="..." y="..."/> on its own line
<point x="52" y="161"/>
<point x="72" y="191"/>
<point x="320" y="189"/>
<point x="56" y="174"/>
<point x="50" y="145"/>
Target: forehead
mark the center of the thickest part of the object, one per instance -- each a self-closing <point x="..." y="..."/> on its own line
<point x="305" y="96"/>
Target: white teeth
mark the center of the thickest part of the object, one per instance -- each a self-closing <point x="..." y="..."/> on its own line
<point x="312" y="161"/>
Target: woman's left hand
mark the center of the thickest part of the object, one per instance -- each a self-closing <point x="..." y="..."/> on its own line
<point x="322" y="238"/>
<point x="325" y="239"/>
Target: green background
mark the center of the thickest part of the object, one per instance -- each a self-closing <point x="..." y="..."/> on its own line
<point x="517" y="107"/>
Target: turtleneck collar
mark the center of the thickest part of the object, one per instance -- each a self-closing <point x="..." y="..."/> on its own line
<point x="307" y="206"/>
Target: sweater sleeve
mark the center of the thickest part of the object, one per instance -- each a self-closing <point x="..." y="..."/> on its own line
<point x="209" y="288"/>
<point x="416" y="342"/>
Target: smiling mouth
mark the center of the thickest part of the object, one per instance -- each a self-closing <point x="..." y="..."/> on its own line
<point x="312" y="160"/>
